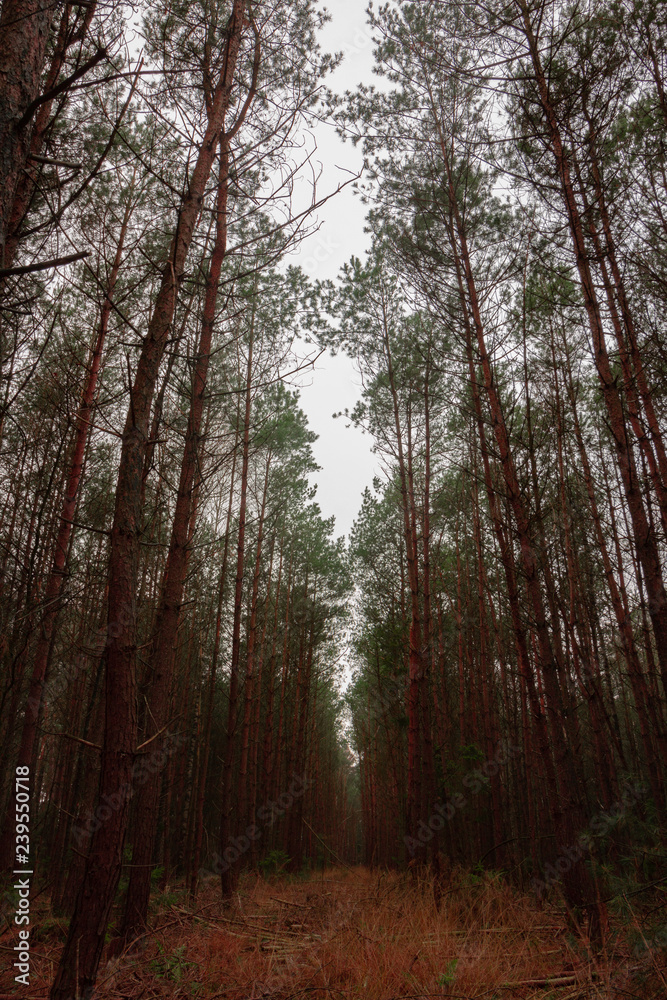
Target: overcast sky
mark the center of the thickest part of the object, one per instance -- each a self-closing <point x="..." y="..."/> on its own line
<point x="343" y="452"/>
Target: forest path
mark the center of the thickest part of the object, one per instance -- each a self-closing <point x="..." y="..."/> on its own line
<point x="355" y="933"/>
<point x="373" y="935"/>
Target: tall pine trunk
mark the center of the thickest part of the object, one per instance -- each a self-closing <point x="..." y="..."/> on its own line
<point x="81" y="955"/>
<point x="162" y="656"/>
<point x="57" y="574"/>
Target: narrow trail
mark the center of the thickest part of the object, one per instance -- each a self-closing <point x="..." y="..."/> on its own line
<point x="358" y="933"/>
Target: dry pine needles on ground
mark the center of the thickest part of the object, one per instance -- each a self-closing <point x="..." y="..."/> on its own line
<point x="357" y="933"/>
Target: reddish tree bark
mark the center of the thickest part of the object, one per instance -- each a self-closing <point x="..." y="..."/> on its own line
<point x="253" y="781"/>
<point x="628" y="321"/>
<point x="199" y="819"/>
<point x="267" y="752"/>
<point x="563" y="794"/>
<point x="25" y="26"/>
<point x="250" y="678"/>
<point x="302" y="697"/>
<point x="415" y="668"/>
<point x="58" y="572"/>
<point x="644" y="536"/>
<point x="83" y="950"/>
<point x="274" y="770"/>
<point x="70" y="30"/>
<point x="229" y="874"/>
<point x="163" y="649"/>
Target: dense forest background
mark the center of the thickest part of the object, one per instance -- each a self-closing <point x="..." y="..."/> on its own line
<point x="196" y="677"/>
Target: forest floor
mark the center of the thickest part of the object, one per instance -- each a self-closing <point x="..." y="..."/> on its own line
<point x="356" y="933"/>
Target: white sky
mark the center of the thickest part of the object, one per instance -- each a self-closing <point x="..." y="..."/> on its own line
<point x="342" y="451"/>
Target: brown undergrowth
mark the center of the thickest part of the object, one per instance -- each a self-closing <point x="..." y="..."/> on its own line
<point x="355" y="933"/>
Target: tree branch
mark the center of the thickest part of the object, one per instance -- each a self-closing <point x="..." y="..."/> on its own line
<point x="44" y="265"/>
<point x="65" y="85"/>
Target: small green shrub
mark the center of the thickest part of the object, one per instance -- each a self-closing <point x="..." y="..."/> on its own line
<point x="274" y="863"/>
<point x="174" y="966"/>
<point x="447" y="977"/>
<point x="156" y="875"/>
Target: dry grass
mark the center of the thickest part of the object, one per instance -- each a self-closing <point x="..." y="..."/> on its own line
<point x="356" y="933"/>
